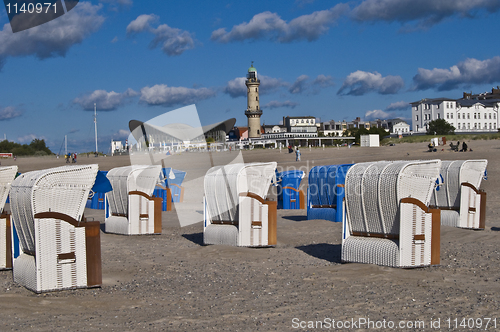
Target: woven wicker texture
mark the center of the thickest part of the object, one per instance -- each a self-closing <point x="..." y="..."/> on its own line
<point x="221" y="234"/>
<point x="450" y="218"/>
<point x="24" y="271"/>
<point x="125" y="179"/>
<point x="223" y="186"/>
<point x="452" y="195"/>
<point x="414" y="222"/>
<point x="7" y="175"/>
<point x="56" y="237"/>
<point x="448" y="193"/>
<point x="371" y="251"/>
<point x="62" y="189"/>
<point x="373" y="194"/>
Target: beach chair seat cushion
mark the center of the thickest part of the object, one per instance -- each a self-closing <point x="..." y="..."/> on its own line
<point x="221" y="234"/>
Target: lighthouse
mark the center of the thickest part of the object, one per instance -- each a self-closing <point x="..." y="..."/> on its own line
<point x="253" y="111"/>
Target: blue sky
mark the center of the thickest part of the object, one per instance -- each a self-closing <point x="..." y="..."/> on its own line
<point x="329" y="59"/>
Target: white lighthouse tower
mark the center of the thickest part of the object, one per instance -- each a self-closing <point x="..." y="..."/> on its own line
<point x="253" y="111"/>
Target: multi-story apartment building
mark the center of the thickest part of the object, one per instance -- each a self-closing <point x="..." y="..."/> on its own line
<point x="472" y="113"/>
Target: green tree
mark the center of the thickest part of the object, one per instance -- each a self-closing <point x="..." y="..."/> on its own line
<point x="440" y="127"/>
<point x="382" y="133"/>
<point x="38" y="145"/>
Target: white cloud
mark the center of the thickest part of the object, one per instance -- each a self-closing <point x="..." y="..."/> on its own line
<point x="117" y="5"/>
<point x="267" y="25"/>
<point x="236" y="87"/>
<point x="8" y="113"/>
<point x="53" y="38"/>
<point x="106" y="101"/>
<point x="122" y="134"/>
<point x="470" y="71"/>
<point x="323" y="81"/>
<point x="172" y="41"/>
<point x="277" y="104"/>
<point x="142" y="23"/>
<point x="398" y="106"/>
<point x="29" y="138"/>
<point x="377" y="114"/>
<point x="424" y="12"/>
<point x="162" y="94"/>
<point x="361" y="82"/>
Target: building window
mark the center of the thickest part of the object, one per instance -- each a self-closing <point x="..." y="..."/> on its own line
<point x="468" y="126"/>
<point x="416" y="117"/>
<point x="494" y="115"/>
<point x="451" y="114"/>
<point x="475" y="116"/>
<point x="479" y="115"/>
<point x="256" y="98"/>
<point x="494" y="125"/>
<point x="256" y="90"/>
<point x="447" y="115"/>
<point x="458" y="124"/>
<point x="439" y="116"/>
<point x="468" y="115"/>
<point x="490" y="115"/>
<point x="475" y="125"/>
<point x="437" y="106"/>
<point x="458" y="115"/>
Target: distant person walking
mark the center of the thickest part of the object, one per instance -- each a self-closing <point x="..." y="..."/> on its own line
<point x="297" y="154"/>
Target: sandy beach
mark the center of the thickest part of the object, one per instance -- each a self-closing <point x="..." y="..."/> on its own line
<point x="173" y="282"/>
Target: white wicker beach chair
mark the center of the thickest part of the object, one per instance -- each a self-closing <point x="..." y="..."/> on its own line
<point x="386" y="219"/>
<point x="132" y="208"/>
<point x="60" y="249"/>
<point x="236" y="210"/>
<point x="7" y="175"/>
<point x="459" y="198"/>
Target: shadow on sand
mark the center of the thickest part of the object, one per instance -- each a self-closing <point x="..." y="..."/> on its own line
<point x="196" y="238"/>
<point x="328" y="252"/>
<point x="295" y="218"/>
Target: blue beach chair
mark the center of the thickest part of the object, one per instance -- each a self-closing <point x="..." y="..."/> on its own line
<point x="289" y="195"/>
<point x="326" y="192"/>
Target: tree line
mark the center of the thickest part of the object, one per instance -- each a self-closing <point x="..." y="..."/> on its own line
<point x="37" y="147"/>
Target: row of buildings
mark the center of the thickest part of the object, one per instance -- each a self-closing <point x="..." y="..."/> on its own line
<point x="471" y="113"/>
<point x="300" y="127"/>
<point x="309" y="127"/>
